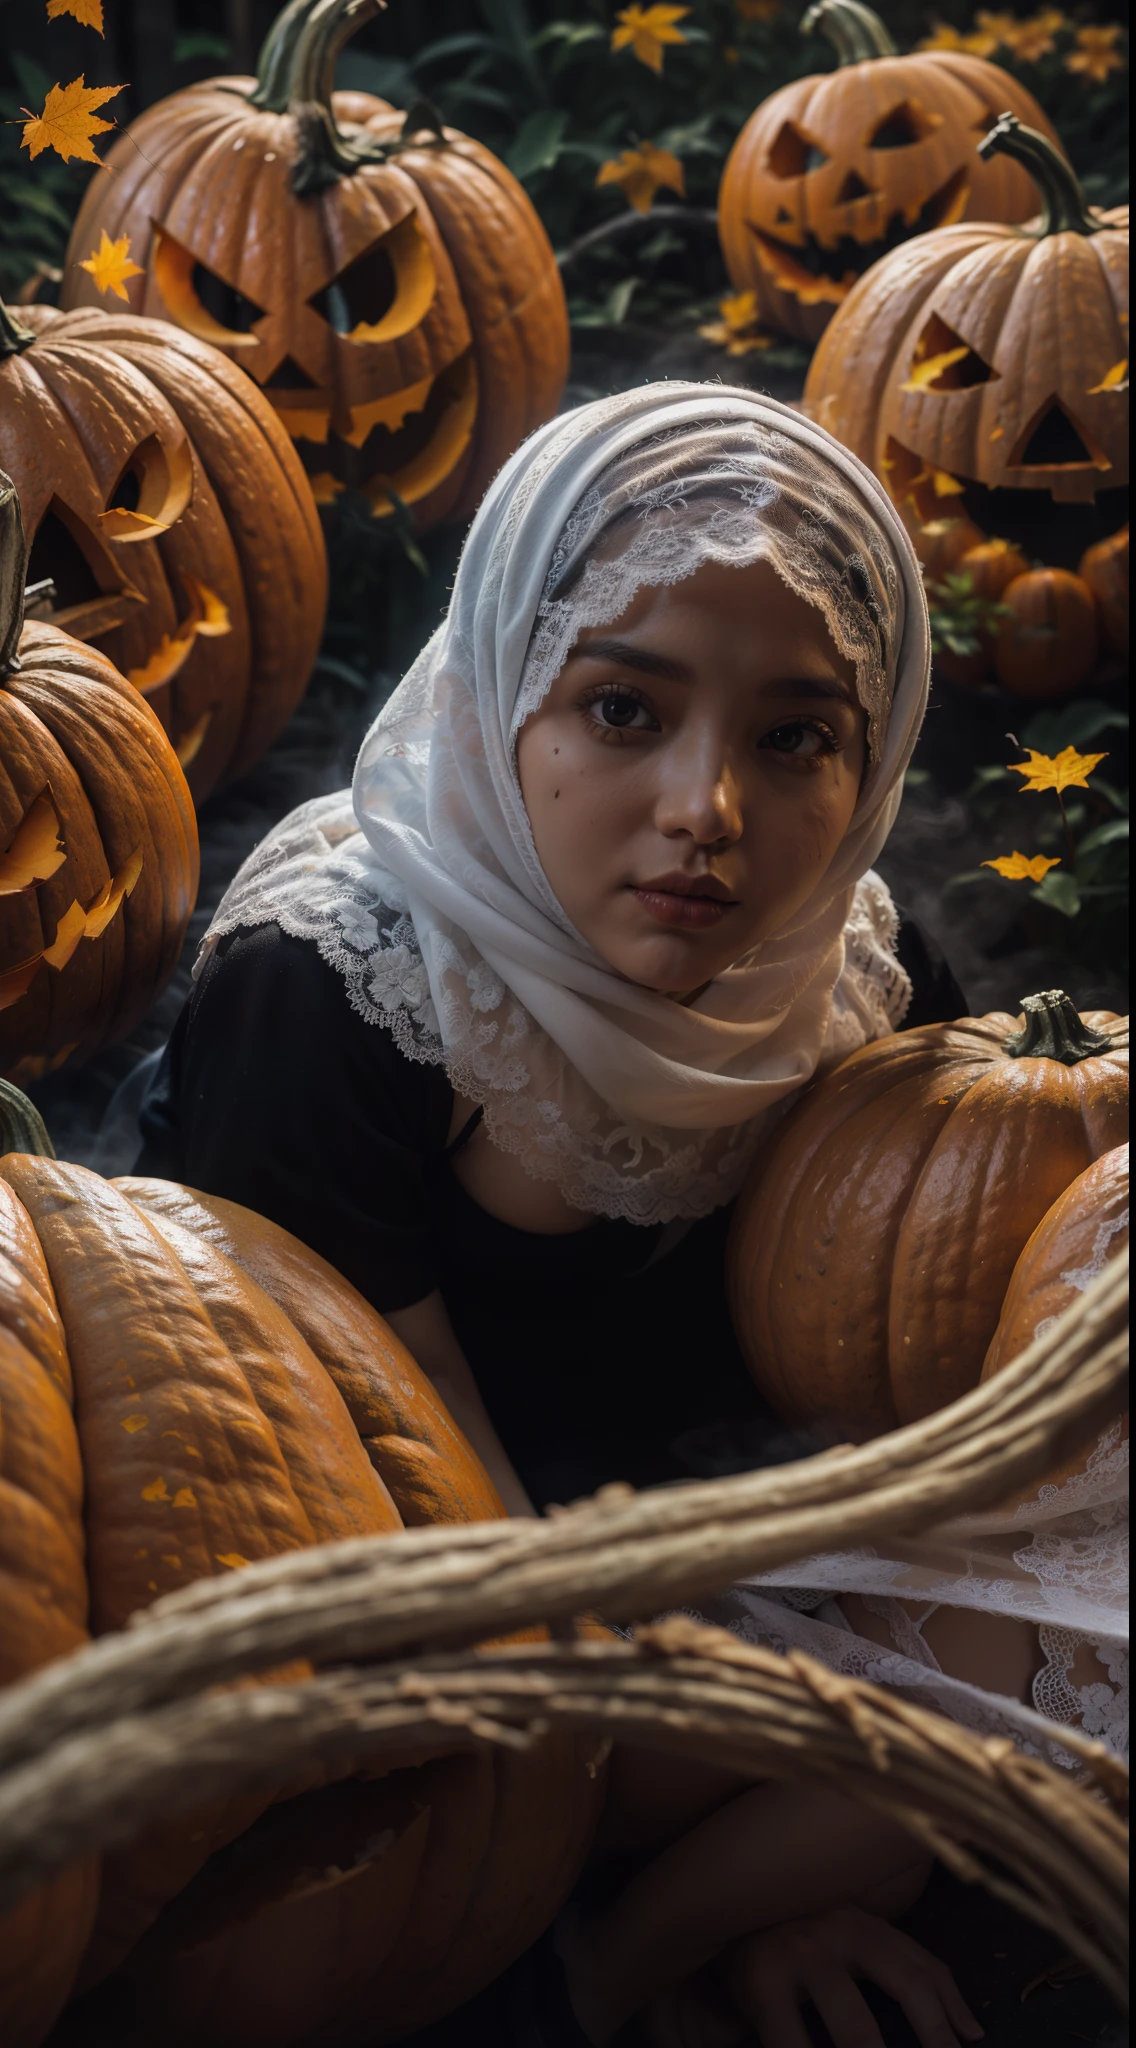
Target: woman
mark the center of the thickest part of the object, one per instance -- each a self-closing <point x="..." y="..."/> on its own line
<point x="500" y="1032"/>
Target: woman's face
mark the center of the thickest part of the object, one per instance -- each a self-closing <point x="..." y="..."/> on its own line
<point x="691" y="773"/>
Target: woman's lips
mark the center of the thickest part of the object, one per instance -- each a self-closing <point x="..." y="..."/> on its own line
<point x="693" y="902"/>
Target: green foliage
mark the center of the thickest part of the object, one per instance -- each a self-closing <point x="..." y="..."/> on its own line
<point x="40" y="199"/>
<point x="960" y="616"/>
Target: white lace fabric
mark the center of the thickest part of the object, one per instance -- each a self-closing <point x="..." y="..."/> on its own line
<point x="429" y="898"/>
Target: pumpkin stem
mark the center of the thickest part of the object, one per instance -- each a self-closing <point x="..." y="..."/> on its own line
<point x="13" y="569"/>
<point x="325" y="153"/>
<point x="22" y="1129"/>
<point x="274" y="64"/>
<point x="1064" y="209"/>
<point x="856" y="34"/>
<point x="14" y="336"/>
<point x="1054" y="1030"/>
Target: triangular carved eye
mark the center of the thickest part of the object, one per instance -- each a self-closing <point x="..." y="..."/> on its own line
<point x="1053" y="440"/>
<point x="791" y="153"/>
<point x="385" y="291"/>
<point x="943" y="361"/>
<point x="198" y="299"/>
<point x="226" y="305"/>
<point x="905" y="124"/>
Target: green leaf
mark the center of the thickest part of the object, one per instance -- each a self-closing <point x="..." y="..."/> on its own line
<point x="1059" y="891"/>
<point x="1103" y="835"/>
<point x="200" y="43"/>
<point x="538" y="144"/>
<point x="33" y="80"/>
<point x="1073" y="725"/>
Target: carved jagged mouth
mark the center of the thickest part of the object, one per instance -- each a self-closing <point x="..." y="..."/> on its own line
<point x="817" y="273"/>
<point x="1039" y="526"/>
<point x="402" y="445"/>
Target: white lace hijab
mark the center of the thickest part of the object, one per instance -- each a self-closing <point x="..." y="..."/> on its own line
<point x="430" y="899"/>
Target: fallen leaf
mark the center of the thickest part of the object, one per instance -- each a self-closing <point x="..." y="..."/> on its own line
<point x="646" y="31"/>
<point x="640" y="172"/>
<point x="37" y="849"/>
<point x="738" y="331"/>
<point x="110" y="265"/>
<point x="1115" y="379"/>
<point x="1066" y="770"/>
<point x="1020" y="867"/>
<point x="68" y="121"/>
<point x="88" y="13"/>
<point x="923" y="375"/>
<point x="1095" y="55"/>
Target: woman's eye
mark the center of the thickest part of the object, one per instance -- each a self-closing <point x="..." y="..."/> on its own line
<point x="803" y="741"/>
<point x="620" y="711"/>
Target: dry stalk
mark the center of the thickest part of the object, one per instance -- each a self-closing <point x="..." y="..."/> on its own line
<point x="1055" y="1851"/>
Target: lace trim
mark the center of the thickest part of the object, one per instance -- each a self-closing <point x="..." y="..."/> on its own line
<point x="317" y="877"/>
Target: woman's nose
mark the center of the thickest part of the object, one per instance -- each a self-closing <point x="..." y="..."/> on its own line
<point x="701" y="796"/>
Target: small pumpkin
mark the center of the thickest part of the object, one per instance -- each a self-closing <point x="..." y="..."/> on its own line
<point x="871" y="1250"/>
<point x="1086" y="1228"/>
<point x="981" y="371"/>
<point x="385" y="280"/>
<point x="833" y="171"/>
<point x="1048" y="641"/>
<point x="199" y="1390"/>
<point x="1104" y="567"/>
<point x="169" y="520"/>
<point x="98" y="839"/>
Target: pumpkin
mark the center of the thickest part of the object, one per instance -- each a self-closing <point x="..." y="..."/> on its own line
<point x="1086" y="1227"/>
<point x="384" y="279"/>
<point x="833" y="171"/>
<point x="981" y="371"/>
<point x="198" y="1390"/>
<point x="871" y="1249"/>
<point x="169" y="520"/>
<point x="98" y="840"/>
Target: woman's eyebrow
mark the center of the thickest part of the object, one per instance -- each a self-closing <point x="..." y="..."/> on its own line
<point x="644" y="659"/>
<point x="810" y="686"/>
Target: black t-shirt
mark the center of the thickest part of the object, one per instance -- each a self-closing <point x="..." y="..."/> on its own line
<point x="595" y="1352"/>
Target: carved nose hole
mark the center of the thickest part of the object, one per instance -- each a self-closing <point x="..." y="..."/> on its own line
<point x="288" y="376"/>
<point x="784" y="217"/>
<point x="906" y="123"/>
<point x="1055" y="442"/>
<point x="853" y="188"/>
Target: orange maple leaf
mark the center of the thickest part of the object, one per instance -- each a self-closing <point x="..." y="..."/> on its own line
<point x="88" y="13"/>
<point x="640" y="172"/>
<point x="110" y="265"/>
<point x="68" y="120"/>
<point x="1020" y="867"/>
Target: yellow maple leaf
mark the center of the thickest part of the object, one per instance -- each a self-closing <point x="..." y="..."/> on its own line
<point x="1021" y="867"/>
<point x="738" y="331"/>
<point x="1066" y="770"/>
<point x="944" y="37"/>
<point x="88" y="13"/>
<point x="1033" y="39"/>
<point x="1114" y="379"/>
<point x="68" y="121"/>
<point x="640" y="172"/>
<point x="646" y="31"/>
<point x="110" y="265"/>
<point x="1096" y="55"/>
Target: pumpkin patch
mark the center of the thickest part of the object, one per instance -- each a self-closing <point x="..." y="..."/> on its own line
<point x="982" y="373"/>
<point x="210" y="1392"/>
<point x="169" y="521"/>
<point x="833" y="172"/>
<point x="872" y="1250"/>
<point x="384" y="279"/>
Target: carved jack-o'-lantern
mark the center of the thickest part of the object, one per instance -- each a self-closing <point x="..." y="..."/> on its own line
<point x="98" y="841"/>
<point x="982" y="372"/>
<point x="833" y="171"/>
<point x="170" y="521"/>
<point x="387" y="282"/>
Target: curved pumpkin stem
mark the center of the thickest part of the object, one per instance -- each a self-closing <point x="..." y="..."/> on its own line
<point x="1064" y="207"/>
<point x="325" y="153"/>
<point x="14" y="336"/>
<point x="274" y="64"/>
<point x="856" y="34"/>
<point x="1054" y="1030"/>
<point x="13" y="570"/>
<point x="22" y="1129"/>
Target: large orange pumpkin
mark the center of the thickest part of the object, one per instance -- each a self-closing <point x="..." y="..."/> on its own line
<point x="832" y="171"/>
<point x="1086" y="1228"/>
<point x="185" y="1388"/>
<point x="386" y="281"/>
<point x="982" y="372"/>
<point x="872" y="1248"/>
<point x="98" y="840"/>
